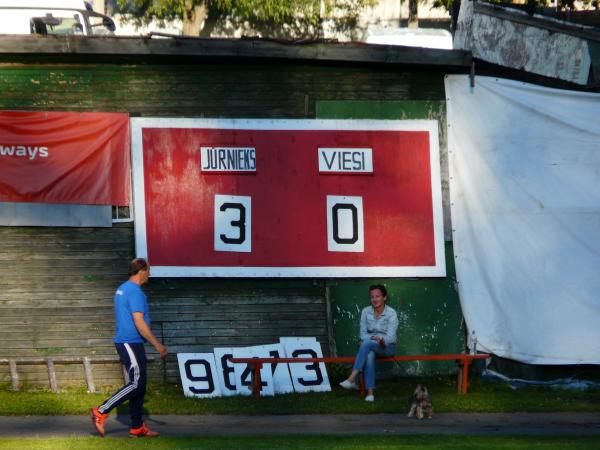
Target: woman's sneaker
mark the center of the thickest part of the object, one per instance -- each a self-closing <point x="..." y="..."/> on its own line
<point x="370" y="398"/>
<point x="347" y="384"/>
<point x="142" y="431"/>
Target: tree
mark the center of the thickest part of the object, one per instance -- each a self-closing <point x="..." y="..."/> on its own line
<point x="304" y="17"/>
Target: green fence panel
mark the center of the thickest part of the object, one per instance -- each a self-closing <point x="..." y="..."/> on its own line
<point x="428" y="311"/>
<point x="399" y="109"/>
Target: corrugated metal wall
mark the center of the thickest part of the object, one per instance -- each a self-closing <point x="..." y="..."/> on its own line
<point x="56" y="285"/>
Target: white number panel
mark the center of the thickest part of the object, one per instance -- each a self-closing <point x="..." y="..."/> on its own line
<point x="243" y="372"/>
<point x="198" y="375"/>
<point x="345" y="224"/>
<point x="233" y="223"/>
<point x="225" y="371"/>
<point x="306" y="377"/>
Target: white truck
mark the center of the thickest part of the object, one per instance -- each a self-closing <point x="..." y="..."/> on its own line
<point x="59" y="17"/>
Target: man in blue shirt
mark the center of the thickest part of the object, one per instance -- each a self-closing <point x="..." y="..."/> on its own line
<point x="132" y="318"/>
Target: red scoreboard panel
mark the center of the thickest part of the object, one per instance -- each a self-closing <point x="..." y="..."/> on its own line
<point x="288" y="198"/>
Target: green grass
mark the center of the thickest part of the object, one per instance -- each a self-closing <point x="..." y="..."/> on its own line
<point x="312" y="442"/>
<point x="391" y="397"/>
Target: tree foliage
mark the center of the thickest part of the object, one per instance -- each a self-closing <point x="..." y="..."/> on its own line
<point x="302" y="14"/>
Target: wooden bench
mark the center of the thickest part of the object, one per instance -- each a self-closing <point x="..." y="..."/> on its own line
<point x="463" y="361"/>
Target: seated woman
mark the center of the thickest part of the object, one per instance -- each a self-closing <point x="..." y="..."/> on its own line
<point x="378" y="326"/>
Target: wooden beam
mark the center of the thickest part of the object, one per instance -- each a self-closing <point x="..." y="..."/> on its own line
<point x="89" y="375"/>
<point x="52" y="375"/>
<point x="233" y="49"/>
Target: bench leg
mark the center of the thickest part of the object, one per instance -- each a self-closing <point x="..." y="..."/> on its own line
<point x="256" y="381"/>
<point x="464" y="376"/>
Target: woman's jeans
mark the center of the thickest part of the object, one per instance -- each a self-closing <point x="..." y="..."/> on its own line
<point x="365" y="359"/>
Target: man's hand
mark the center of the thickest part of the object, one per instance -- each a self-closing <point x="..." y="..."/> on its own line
<point x="144" y="329"/>
<point x="162" y="350"/>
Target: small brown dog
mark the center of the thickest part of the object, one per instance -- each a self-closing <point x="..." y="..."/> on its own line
<point x="420" y="403"/>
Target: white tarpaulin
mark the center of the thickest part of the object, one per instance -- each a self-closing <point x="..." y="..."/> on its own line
<point x="525" y="194"/>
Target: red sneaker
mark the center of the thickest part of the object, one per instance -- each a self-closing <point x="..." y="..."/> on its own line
<point x="98" y="420"/>
<point x="142" y="431"/>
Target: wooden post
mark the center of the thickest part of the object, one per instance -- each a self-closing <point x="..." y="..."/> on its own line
<point x="329" y="318"/>
<point x="89" y="376"/>
<point x="306" y="105"/>
<point x="52" y="375"/>
<point x="14" y="375"/>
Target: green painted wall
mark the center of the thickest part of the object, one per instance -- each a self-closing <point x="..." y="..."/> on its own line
<point x="428" y="308"/>
<point x="403" y="109"/>
<point x="428" y="311"/>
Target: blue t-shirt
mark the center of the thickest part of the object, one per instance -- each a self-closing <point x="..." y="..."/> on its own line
<point x="129" y="298"/>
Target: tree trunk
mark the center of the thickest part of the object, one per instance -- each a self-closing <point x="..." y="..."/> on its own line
<point x="210" y="21"/>
<point x="413" y="13"/>
<point x="193" y="19"/>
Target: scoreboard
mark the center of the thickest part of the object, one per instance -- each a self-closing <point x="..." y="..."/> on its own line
<point x="288" y="198"/>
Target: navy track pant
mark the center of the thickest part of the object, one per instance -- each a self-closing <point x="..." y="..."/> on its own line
<point x="133" y="357"/>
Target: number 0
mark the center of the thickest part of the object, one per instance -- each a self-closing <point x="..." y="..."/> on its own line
<point x="345" y="224"/>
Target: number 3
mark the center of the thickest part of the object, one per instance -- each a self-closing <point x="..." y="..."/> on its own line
<point x="233" y="223"/>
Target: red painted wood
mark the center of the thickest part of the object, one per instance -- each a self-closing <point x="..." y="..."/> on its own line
<point x="463" y="359"/>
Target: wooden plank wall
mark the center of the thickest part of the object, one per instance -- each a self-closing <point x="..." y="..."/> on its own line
<point x="56" y="295"/>
<point x="252" y="90"/>
<point x="56" y="284"/>
<point x="56" y="289"/>
<point x="198" y="315"/>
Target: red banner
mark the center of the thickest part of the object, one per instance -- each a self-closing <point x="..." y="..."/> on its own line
<point x="277" y="198"/>
<point x="64" y="157"/>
